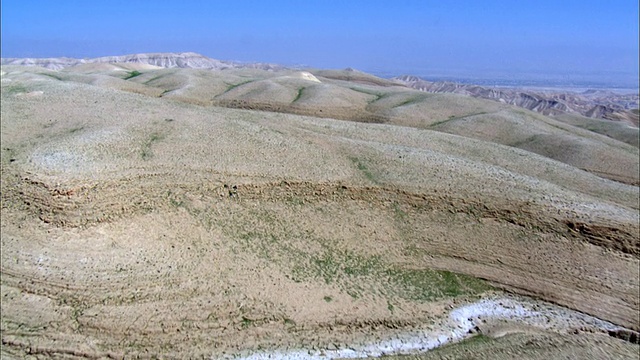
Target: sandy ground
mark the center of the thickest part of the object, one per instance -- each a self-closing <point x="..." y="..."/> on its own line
<point x="135" y="225"/>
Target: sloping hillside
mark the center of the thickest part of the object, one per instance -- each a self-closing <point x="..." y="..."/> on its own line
<point x="142" y="218"/>
<point x="596" y="104"/>
<point x="350" y="95"/>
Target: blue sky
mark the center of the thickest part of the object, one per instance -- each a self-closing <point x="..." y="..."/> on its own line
<point x="394" y="36"/>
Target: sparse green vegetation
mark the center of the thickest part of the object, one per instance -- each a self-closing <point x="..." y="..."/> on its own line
<point x="53" y="76"/>
<point x="378" y="95"/>
<point x="363" y="168"/>
<point x="298" y="95"/>
<point x="132" y="74"/>
<point x="233" y="86"/>
<point x="241" y="219"/>
<point x="154" y="78"/>
<point x="270" y="238"/>
<point x="429" y="285"/>
<point x="76" y="129"/>
<point x="14" y="89"/>
<point x="400" y="214"/>
<point x="367" y="91"/>
<point x="295" y="200"/>
<point x="349" y="270"/>
<point x="453" y="118"/>
<point x="146" y="152"/>
<point x="174" y="199"/>
<point x="246" y="322"/>
<point x="410" y="101"/>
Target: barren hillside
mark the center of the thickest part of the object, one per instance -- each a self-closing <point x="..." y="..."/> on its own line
<point x="595" y="104"/>
<point x="608" y="151"/>
<point x="194" y="213"/>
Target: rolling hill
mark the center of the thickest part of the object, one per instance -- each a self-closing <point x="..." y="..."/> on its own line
<point x="180" y="212"/>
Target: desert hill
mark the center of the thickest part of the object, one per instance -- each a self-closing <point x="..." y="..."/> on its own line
<point x="179" y="212"/>
<point x="356" y="96"/>
<point x="166" y="60"/>
<point x="595" y="104"/>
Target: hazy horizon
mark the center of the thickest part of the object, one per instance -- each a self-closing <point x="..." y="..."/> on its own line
<point x="570" y="41"/>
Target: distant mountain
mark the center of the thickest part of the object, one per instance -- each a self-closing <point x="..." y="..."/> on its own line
<point x="595" y="104"/>
<point x="166" y="60"/>
<point x="47" y="63"/>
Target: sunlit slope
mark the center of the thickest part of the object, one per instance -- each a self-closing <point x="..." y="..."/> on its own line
<point x="556" y="140"/>
<point x="244" y="223"/>
<point x="284" y="137"/>
<point x="614" y="129"/>
<point x="351" y="95"/>
<point x="114" y="139"/>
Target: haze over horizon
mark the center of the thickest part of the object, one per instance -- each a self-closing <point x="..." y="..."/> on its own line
<point x="569" y="41"/>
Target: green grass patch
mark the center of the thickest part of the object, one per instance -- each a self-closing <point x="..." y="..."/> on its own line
<point x="233" y="86"/>
<point x="410" y="101"/>
<point x="132" y="74"/>
<point x="429" y="285"/>
<point x="155" y="78"/>
<point x="454" y="118"/>
<point x="75" y="129"/>
<point x="14" y="89"/>
<point x="299" y="95"/>
<point x="364" y="169"/>
<point x="377" y="94"/>
<point x="307" y="257"/>
<point x="146" y="151"/>
<point x="53" y="76"/>
<point x="357" y="274"/>
<point x="246" y="322"/>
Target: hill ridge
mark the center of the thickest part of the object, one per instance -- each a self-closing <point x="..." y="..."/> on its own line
<point x="190" y="60"/>
<point x="591" y="103"/>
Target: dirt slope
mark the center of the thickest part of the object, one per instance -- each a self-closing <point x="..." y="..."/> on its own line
<point x="356" y="96"/>
<point x="135" y="224"/>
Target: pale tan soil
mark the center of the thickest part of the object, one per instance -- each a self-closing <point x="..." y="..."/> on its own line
<point x="355" y="96"/>
<point x="139" y="225"/>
